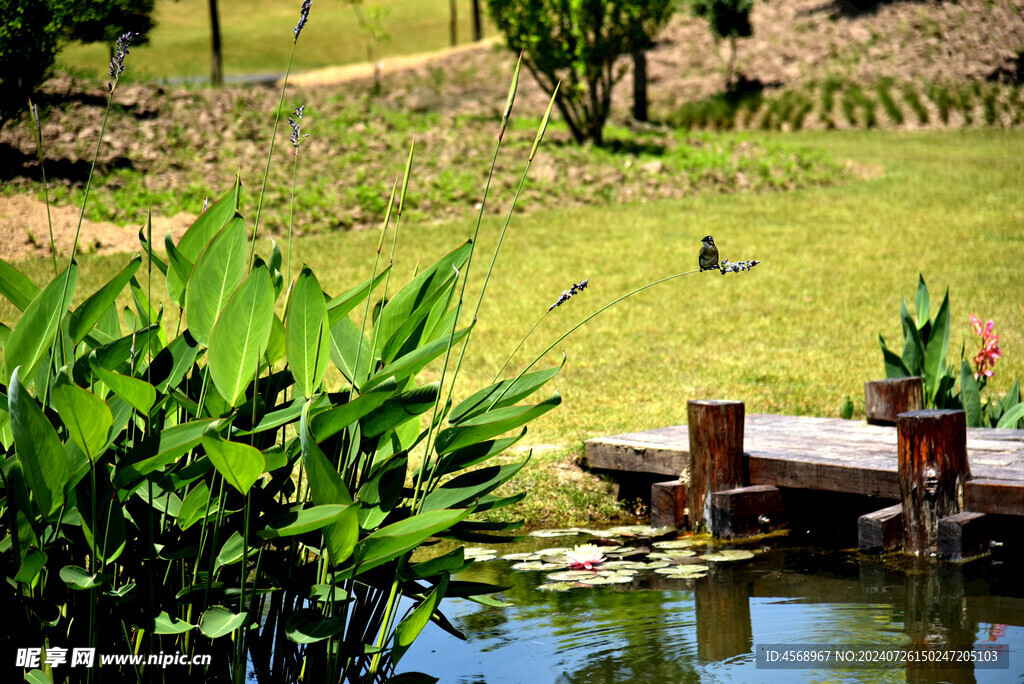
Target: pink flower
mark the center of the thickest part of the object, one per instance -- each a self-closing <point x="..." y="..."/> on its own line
<point x="985" y="359"/>
<point x="584" y="557"/>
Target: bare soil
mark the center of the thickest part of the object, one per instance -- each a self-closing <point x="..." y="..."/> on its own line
<point x="795" y="42"/>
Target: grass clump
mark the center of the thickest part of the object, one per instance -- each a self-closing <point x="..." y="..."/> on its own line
<point x="892" y="110"/>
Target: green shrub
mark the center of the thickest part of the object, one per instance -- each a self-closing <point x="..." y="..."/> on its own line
<point x="892" y="110"/>
<point x="939" y="95"/>
<point x="913" y="101"/>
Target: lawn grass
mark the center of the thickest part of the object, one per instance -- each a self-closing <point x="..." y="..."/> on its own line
<point x="180" y="44"/>
<point x="793" y="336"/>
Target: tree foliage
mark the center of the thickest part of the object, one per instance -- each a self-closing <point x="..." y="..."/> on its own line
<point x="579" y="42"/>
<point x="729" y="20"/>
<point x="32" y="32"/>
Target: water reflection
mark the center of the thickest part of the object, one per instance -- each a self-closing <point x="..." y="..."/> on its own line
<point x="659" y="629"/>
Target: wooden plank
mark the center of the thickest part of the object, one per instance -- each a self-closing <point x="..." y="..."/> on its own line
<point x="1005" y="497"/>
<point x="825" y="476"/>
<point x="746" y="511"/>
<point x="963" y="536"/>
<point x="880" y="531"/>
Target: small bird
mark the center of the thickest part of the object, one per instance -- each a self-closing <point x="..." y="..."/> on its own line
<point x="708" y="254"/>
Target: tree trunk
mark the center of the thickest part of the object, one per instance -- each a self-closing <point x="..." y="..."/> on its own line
<point x="453" y="22"/>
<point x="216" y="65"/>
<point x="732" y="63"/>
<point x="478" y="29"/>
<point x="640" y="85"/>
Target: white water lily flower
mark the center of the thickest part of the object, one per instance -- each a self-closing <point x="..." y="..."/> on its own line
<point x="584" y="556"/>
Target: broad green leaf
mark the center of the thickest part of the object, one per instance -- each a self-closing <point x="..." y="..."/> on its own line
<point x="398" y="410"/>
<point x="970" y="395"/>
<point x="492" y="424"/>
<point x="452" y="562"/>
<point x="935" y="353"/>
<point x="137" y="392"/>
<point x="348" y="345"/>
<point x="33" y="562"/>
<point x="308" y="335"/>
<point x="346" y="301"/>
<point x="209" y="223"/>
<point x="240" y="336"/>
<point x="196" y="506"/>
<point x="177" y="273"/>
<point x="476" y="453"/>
<point x="465" y="488"/>
<point x="329" y="423"/>
<point x="510" y="391"/>
<point x="1011" y="417"/>
<point x="217" y="621"/>
<point x="87" y="418"/>
<point x="307" y="626"/>
<point x="147" y="246"/>
<point x="327" y="488"/>
<point x="16" y="287"/>
<point x="92" y="309"/>
<point x="165" y="624"/>
<point x="232" y="551"/>
<point x="172" y="362"/>
<point x="305" y="520"/>
<point x="413" y="362"/>
<point x="388" y="543"/>
<point x="277" y="344"/>
<point x="39" y="448"/>
<point x="218" y="272"/>
<point x="913" y="345"/>
<point x="412" y="331"/>
<point x="78" y="578"/>
<point x="922" y="302"/>
<point x="239" y="464"/>
<point x="401" y="306"/>
<point x="37" y="677"/>
<point x="173" y="443"/>
<point x="894" y="366"/>
<point x="410" y="628"/>
<point x="34" y="332"/>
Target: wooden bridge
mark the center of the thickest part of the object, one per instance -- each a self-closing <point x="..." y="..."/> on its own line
<point x="737" y="494"/>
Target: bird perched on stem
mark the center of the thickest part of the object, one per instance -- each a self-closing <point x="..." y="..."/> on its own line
<point x="708" y="259"/>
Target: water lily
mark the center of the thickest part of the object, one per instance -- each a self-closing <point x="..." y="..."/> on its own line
<point x="584" y="556"/>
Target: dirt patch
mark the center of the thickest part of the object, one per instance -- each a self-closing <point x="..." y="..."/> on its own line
<point x="24" y="230"/>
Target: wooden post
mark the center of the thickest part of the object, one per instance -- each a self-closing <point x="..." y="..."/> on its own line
<point x="722" y="610"/>
<point x="668" y="504"/>
<point x="880" y="531"/>
<point x="933" y="467"/>
<point x="886" y="399"/>
<point x="716" y="454"/>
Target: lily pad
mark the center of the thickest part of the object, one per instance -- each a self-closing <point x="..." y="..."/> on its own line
<point x="536" y="565"/>
<point x="675" y="544"/>
<point x="479" y="554"/>
<point x="673" y="554"/>
<point x="727" y="556"/>
<point x="557" y="586"/>
<point x="571" y="575"/>
<point x="565" y="532"/>
<point x="688" y="569"/>
<point x="607" y="579"/>
<point x="520" y="557"/>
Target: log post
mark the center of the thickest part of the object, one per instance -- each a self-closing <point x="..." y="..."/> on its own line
<point x="746" y="511"/>
<point x="716" y="454"/>
<point x="932" y="451"/>
<point x="886" y="399"/>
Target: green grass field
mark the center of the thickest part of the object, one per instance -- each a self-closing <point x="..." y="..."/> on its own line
<point x="180" y="43"/>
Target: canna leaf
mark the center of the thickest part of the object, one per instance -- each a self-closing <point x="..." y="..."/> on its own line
<point x="92" y="309"/>
<point x="239" y="464"/>
<point x="219" y="270"/>
<point x="307" y="333"/>
<point x="240" y="335"/>
<point x="35" y="331"/>
<point x="38" y="447"/>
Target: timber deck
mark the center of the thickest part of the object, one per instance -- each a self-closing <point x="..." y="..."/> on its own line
<point x="826" y="454"/>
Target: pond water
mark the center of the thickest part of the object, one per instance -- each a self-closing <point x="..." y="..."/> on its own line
<point x="662" y="629"/>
